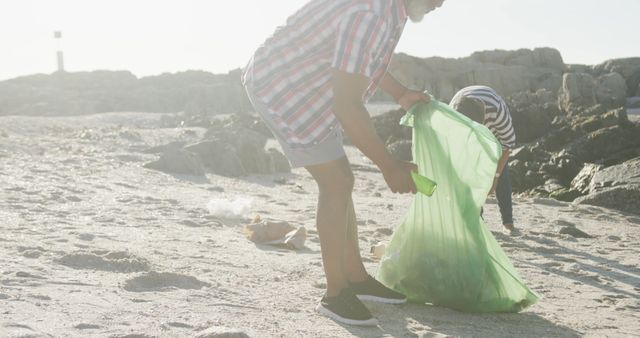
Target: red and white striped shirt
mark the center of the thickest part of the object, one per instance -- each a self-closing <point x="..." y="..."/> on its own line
<point x="291" y="72"/>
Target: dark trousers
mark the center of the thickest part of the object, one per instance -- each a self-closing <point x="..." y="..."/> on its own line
<point x="503" y="194"/>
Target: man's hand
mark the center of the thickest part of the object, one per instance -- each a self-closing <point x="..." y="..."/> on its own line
<point x="398" y="176"/>
<point x="410" y="97"/>
<point x="402" y="95"/>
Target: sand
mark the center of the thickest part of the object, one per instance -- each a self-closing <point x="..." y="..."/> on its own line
<point x="94" y="245"/>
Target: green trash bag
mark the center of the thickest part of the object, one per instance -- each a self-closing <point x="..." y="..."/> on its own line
<point x="443" y="253"/>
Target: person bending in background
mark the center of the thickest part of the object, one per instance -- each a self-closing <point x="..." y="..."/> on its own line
<point x="483" y="105"/>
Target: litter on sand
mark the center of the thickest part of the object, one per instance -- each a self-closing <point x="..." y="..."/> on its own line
<point x="277" y="233"/>
<point x="237" y="207"/>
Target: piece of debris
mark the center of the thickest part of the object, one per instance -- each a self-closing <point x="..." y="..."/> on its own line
<point x="279" y="233"/>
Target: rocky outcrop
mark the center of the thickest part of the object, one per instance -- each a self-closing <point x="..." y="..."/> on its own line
<point x="562" y="152"/>
<point x="62" y="93"/>
<point x="229" y="148"/>
<point x="508" y="72"/>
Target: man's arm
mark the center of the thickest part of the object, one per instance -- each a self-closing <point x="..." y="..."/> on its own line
<point x="348" y="90"/>
<point x="502" y="163"/>
<point x="404" y="96"/>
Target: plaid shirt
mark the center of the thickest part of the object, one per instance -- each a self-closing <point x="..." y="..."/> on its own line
<point x="291" y="72"/>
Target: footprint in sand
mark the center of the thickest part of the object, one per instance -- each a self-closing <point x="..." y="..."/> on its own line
<point x="122" y="262"/>
<point x="84" y="326"/>
<point x="162" y="281"/>
<point x="31" y="252"/>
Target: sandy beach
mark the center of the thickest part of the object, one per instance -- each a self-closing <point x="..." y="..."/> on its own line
<point x="93" y="244"/>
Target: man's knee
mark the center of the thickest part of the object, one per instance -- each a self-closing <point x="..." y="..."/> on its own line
<point x="334" y="178"/>
<point x="341" y="183"/>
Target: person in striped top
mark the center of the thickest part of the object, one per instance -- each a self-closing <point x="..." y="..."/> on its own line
<point x="483" y="105"/>
<point x="309" y="82"/>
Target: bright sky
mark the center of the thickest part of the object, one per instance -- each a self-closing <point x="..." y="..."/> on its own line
<point x="154" y="36"/>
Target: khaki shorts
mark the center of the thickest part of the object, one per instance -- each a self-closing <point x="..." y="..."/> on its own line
<point x="330" y="149"/>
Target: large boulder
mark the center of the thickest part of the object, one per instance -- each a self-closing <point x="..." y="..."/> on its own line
<point x="625" y="198"/>
<point x="578" y="91"/>
<point x="532" y="113"/>
<point x="582" y="181"/>
<point x="178" y="161"/>
<point x="220" y="158"/>
<point x="611" y="90"/>
<point x="622" y="174"/>
<point x="238" y="151"/>
<point x="629" y="68"/>
<point x="616" y="187"/>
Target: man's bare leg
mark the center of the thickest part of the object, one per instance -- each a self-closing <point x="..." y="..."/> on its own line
<point x="353" y="268"/>
<point x="335" y="184"/>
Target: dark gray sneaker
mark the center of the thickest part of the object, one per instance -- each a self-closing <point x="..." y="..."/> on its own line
<point x="346" y="308"/>
<point x="372" y="290"/>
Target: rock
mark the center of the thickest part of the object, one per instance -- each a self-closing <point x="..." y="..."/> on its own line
<point x="523" y="180"/>
<point x="558" y="138"/>
<point x="611" y="90"/>
<point x="565" y="166"/>
<point x="565" y="195"/>
<point x="178" y="161"/>
<point x="532" y="113"/>
<point x="578" y="91"/>
<point x="634" y="102"/>
<point x="575" y="68"/>
<point x="199" y="93"/>
<point x="219" y="157"/>
<point x="388" y="126"/>
<point x="551" y="186"/>
<point x="523" y="154"/>
<point x="539" y="57"/>
<point x="222" y="332"/>
<point x="278" y="162"/>
<point x="608" y="146"/>
<point x="582" y="181"/>
<point x="592" y="123"/>
<point x="575" y="232"/>
<point x="616" y="187"/>
<point x="625" y="198"/>
<point x="401" y="150"/>
<point x="508" y="72"/>
<point x="627" y="173"/>
<point x="629" y="68"/>
<point x="232" y="150"/>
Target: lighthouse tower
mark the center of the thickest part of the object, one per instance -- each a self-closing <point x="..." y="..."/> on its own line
<point x="60" y="56"/>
